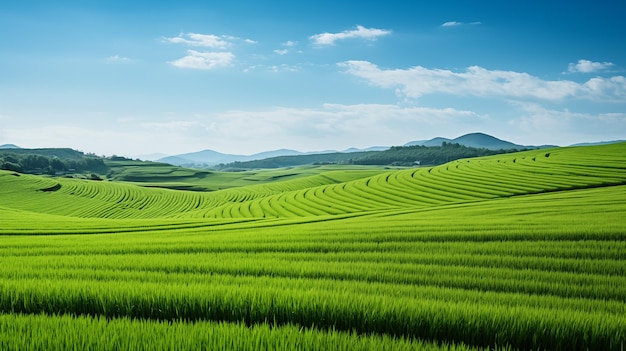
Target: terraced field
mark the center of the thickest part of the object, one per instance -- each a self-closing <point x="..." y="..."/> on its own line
<point x="518" y="251"/>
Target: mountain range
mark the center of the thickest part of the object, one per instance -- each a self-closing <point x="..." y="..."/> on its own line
<point x="211" y="157"/>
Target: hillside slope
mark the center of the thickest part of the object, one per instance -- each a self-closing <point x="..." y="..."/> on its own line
<point x="521" y="251"/>
<point x="461" y="181"/>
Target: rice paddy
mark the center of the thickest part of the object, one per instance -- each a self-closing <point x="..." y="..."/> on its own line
<point x="518" y="251"/>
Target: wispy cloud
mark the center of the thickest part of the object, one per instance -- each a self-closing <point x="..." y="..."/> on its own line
<point x="338" y="125"/>
<point x="477" y="81"/>
<point x="206" y="40"/>
<point x="359" y="32"/>
<point x="541" y="122"/>
<point x="457" y="24"/>
<point x="118" y="58"/>
<point x="287" y="47"/>
<point x="586" y="66"/>
<point x="203" y="40"/>
<point x="204" y="60"/>
<point x="283" y="68"/>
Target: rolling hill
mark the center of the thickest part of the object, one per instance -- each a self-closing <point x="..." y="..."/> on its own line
<point x="213" y="158"/>
<point x="519" y="251"/>
<point x="455" y="182"/>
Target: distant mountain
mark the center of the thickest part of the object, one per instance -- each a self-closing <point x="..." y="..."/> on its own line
<point x="299" y="160"/>
<point x="175" y="160"/>
<point x="432" y="142"/>
<point x="371" y="148"/>
<point x="275" y="153"/>
<point x="599" y="143"/>
<point x="211" y="157"/>
<point x="486" y="141"/>
<point x="9" y="146"/>
<point x="205" y="156"/>
<point x="477" y="140"/>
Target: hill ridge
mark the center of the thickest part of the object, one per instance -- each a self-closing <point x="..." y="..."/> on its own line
<point x="475" y="139"/>
<point x="466" y="180"/>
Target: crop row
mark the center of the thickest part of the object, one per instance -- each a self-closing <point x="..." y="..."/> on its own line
<point x="500" y="272"/>
<point x="456" y="182"/>
<point x="447" y="254"/>
<point x="87" y="333"/>
<point x="262" y="300"/>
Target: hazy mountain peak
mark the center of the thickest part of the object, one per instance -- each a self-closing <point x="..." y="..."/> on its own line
<point x="9" y="146"/>
<point x="477" y="140"/>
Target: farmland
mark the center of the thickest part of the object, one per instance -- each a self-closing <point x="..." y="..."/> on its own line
<point x="514" y="251"/>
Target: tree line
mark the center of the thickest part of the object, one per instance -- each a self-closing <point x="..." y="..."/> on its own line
<point x="394" y="156"/>
<point x="49" y="162"/>
<point x="426" y="155"/>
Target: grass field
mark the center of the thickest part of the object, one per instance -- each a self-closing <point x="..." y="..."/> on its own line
<point x="518" y="251"/>
<point x="162" y="175"/>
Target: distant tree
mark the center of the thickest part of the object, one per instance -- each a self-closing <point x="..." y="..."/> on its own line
<point x="11" y="158"/>
<point x="11" y="166"/>
<point x="57" y="165"/>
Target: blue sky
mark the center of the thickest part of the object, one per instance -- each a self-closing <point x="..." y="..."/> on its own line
<point x="134" y="78"/>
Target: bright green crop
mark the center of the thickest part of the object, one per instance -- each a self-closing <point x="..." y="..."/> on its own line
<point x="518" y="251"/>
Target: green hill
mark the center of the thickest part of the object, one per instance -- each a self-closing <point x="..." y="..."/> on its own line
<point x="465" y="180"/>
<point x="394" y="156"/>
<point x="512" y="251"/>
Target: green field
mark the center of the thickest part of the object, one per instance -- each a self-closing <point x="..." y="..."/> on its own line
<point x="518" y="251"/>
<point x="162" y="175"/>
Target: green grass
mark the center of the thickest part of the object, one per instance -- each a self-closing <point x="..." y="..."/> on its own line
<point x="162" y="175"/>
<point x="87" y="333"/>
<point x="518" y="251"/>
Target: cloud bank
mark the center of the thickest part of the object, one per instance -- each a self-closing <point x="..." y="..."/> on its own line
<point x="477" y="81"/>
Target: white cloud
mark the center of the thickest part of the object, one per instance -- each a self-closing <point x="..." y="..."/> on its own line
<point x="283" y="68"/>
<point x="338" y="126"/>
<point x="477" y="81"/>
<point x="250" y="41"/>
<point x="329" y="126"/>
<point x="605" y="88"/>
<point x="567" y="127"/>
<point x="204" y="60"/>
<point x="281" y="51"/>
<point x="203" y="40"/>
<point x="289" y="43"/>
<point x="359" y="32"/>
<point x="118" y="58"/>
<point x="456" y="24"/>
<point x="586" y="66"/>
